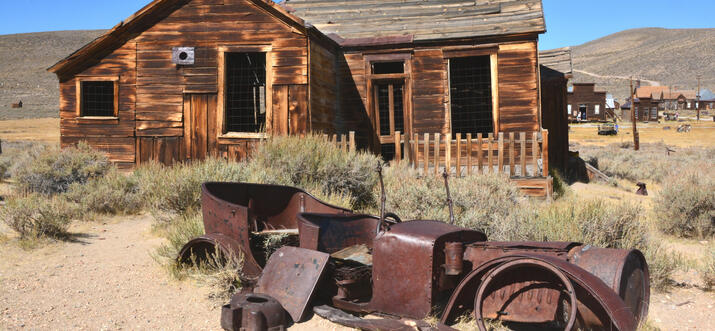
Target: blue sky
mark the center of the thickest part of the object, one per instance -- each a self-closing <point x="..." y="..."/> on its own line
<point x="569" y="22"/>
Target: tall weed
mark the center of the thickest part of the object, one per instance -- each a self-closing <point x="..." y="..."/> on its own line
<point x="685" y="206"/>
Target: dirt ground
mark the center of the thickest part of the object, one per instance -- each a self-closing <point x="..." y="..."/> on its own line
<point x="702" y="134"/>
<point x="45" y="130"/>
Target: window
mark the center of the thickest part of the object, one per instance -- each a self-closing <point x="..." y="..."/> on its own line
<point x="245" y="92"/>
<point x="379" y="68"/>
<point x="597" y="109"/>
<point x="569" y="109"/>
<point x="97" y="97"/>
<point x="471" y="99"/>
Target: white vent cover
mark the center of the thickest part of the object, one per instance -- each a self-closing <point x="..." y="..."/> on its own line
<point x="183" y="55"/>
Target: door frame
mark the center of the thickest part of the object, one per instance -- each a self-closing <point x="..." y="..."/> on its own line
<point x="373" y="112"/>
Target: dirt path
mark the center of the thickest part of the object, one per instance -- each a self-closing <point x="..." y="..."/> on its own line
<point x="651" y="82"/>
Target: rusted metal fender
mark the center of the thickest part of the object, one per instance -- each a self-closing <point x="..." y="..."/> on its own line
<point x="596" y="299"/>
<point x="202" y="247"/>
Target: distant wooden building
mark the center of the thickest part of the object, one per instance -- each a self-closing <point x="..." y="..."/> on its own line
<point x="586" y="104"/>
<point x="646" y="109"/>
<point x="183" y="79"/>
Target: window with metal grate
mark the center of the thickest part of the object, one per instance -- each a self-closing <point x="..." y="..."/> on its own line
<point x="245" y="92"/>
<point x="97" y="98"/>
<point x="471" y="95"/>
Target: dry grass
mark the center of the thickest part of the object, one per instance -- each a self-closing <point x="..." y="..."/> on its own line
<point x="45" y="130"/>
<point x="702" y="134"/>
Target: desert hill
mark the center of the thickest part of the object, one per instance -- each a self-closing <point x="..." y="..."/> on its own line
<point x="24" y="59"/>
<point x="664" y="56"/>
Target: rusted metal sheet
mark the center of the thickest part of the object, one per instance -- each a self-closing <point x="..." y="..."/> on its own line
<point x="291" y="276"/>
<point x="239" y="211"/>
<point x="253" y="312"/>
<point x="373" y="324"/>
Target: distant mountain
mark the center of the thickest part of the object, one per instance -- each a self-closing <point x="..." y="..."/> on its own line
<point x="660" y="56"/>
<point x="24" y="59"/>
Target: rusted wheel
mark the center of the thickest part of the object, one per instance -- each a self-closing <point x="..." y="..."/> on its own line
<point x="504" y="268"/>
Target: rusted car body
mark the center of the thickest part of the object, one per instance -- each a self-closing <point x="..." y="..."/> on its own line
<point x="421" y="268"/>
<point x="237" y="215"/>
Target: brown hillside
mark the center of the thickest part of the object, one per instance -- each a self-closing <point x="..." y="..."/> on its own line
<point x="23" y="75"/>
<point x="666" y="56"/>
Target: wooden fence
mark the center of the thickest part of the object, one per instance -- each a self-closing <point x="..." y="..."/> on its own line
<point x="520" y="154"/>
<point x="342" y="141"/>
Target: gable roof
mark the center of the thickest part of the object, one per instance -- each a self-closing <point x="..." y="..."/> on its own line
<point x="139" y="22"/>
<point x="648" y="91"/>
<point x="423" y="20"/>
<point x="557" y="59"/>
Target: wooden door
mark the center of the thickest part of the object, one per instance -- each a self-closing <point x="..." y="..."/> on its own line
<point x="200" y="126"/>
<point x="391" y="113"/>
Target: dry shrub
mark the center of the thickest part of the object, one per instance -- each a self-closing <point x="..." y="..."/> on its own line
<point x="310" y="160"/>
<point x="35" y="216"/>
<point x="685" y="206"/>
<point x="707" y="271"/>
<point x="478" y="200"/>
<point x="49" y="170"/>
<point x="114" y="193"/>
<point x="176" y="190"/>
<point x="651" y="162"/>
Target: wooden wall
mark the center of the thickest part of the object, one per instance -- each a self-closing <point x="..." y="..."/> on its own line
<point x="554" y="117"/>
<point x="323" y="89"/>
<point x="153" y="90"/>
<point x="114" y="136"/>
<point x="518" y="91"/>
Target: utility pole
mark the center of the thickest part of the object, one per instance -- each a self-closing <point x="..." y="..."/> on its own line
<point x="634" y="118"/>
<point x="697" y="98"/>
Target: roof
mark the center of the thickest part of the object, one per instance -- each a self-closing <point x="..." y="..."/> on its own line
<point x="424" y="20"/>
<point x="557" y="59"/>
<point x="648" y="91"/>
<point x="140" y="21"/>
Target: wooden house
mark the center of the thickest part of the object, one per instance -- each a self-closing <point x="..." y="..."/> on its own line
<point x="183" y="79"/>
<point x="556" y="68"/>
<point x="585" y="103"/>
<point x="646" y="109"/>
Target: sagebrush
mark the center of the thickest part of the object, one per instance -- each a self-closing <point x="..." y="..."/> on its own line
<point x="114" y="193"/>
<point x="685" y="206"/>
<point x="35" y="216"/>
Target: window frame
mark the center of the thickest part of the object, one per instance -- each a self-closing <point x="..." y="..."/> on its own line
<point x="372" y="79"/>
<point x="221" y="97"/>
<point x="486" y="50"/>
<point x="78" y="94"/>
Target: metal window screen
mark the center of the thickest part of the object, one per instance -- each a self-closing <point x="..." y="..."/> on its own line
<point x="383" y="104"/>
<point x="471" y="94"/>
<point x="98" y="98"/>
<point x="245" y="92"/>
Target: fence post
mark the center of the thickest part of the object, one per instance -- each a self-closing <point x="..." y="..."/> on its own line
<point x="448" y="153"/>
<point x="398" y="147"/>
<point x="416" y="151"/>
<point x="469" y="153"/>
<point x="545" y="152"/>
<point x="351" y="134"/>
<point x="480" y="160"/>
<point x="458" y="170"/>
<point x="512" y="160"/>
<point x="500" y="157"/>
<point x="425" y="154"/>
<point x="490" y="157"/>
<point x="522" y="145"/>
<point x="436" y="153"/>
<point x="343" y="143"/>
<point x="535" y="152"/>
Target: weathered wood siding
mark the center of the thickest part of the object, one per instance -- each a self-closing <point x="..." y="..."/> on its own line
<point x="517" y="81"/>
<point x="114" y="137"/>
<point x="323" y="89"/>
<point x="585" y="94"/>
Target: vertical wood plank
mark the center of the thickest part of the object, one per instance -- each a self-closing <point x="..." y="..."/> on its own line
<point x="535" y="153"/>
<point x="500" y="156"/>
<point x="459" y="155"/>
<point x="545" y="152"/>
<point x="280" y="109"/>
<point x="512" y="161"/>
<point x="480" y="156"/>
<point x="469" y="153"/>
<point x="448" y="153"/>
<point x="212" y="127"/>
<point x="415" y="151"/>
<point x="351" y="134"/>
<point x="298" y="109"/>
<point x="198" y="122"/>
<point x="522" y="154"/>
<point x="398" y="147"/>
<point x="188" y="136"/>
<point x="425" y="154"/>
<point x="490" y="150"/>
<point x="436" y="153"/>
